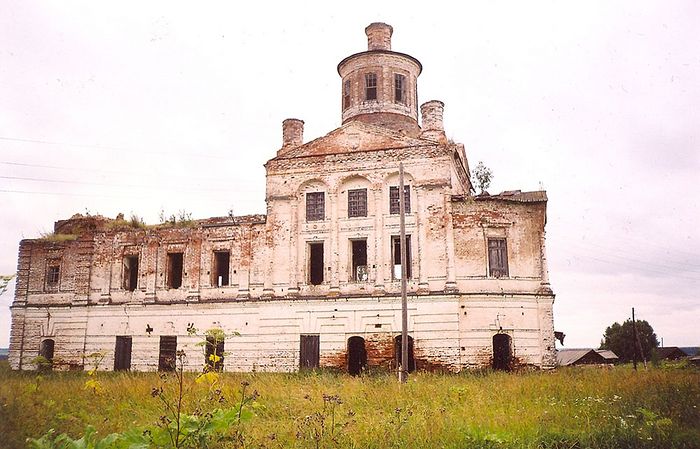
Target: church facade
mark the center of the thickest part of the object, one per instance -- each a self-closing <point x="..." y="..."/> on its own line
<point x="315" y="282"/>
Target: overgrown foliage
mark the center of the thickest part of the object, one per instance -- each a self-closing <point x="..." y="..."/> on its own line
<point x="182" y="219"/>
<point x="481" y="177"/>
<point x="57" y="237"/>
<point x="578" y="407"/>
<point x="619" y="338"/>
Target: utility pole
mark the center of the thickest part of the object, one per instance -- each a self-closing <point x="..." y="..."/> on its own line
<point x="634" y="344"/>
<point x="403" y="368"/>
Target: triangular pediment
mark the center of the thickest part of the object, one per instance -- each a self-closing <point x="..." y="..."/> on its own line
<point x="354" y="137"/>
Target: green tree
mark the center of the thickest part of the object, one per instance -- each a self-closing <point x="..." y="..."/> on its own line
<point x="619" y="338"/>
<point x="483" y="176"/>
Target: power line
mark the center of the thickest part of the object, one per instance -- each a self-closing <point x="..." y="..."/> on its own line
<point x="98" y="170"/>
<point x="679" y="266"/>
<point x="129" y="150"/>
<point x="20" y="178"/>
<point x="672" y="274"/>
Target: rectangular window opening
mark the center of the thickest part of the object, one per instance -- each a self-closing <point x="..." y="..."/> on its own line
<point x="346" y="94"/>
<point x="174" y="270"/>
<point x="399" y="88"/>
<point x="357" y="203"/>
<point x="359" y="260"/>
<point x="122" y="354"/>
<point x="167" y="354"/>
<point x="131" y="273"/>
<point x="220" y="272"/>
<point x="316" y="263"/>
<point x="498" y="258"/>
<point x="315" y="206"/>
<point x="396" y="256"/>
<point x="394" y="208"/>
<point x="53" y="274"/>
<point x="214" y="354"/>
<point x="370" y="86"/>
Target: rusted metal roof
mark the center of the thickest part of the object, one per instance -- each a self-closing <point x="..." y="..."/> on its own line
<point x="515" y="195"/>
<point x="355" y="136"/>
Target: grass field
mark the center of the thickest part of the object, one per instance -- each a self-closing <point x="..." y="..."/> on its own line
<point x="566" y="408"/>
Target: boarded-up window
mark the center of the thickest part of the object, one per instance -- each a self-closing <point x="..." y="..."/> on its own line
<point x="174" y="270"/>
<point x="131" y="273"/>
<point x="357" y="203"/>
<point x="316" y="263"/>
<point x="394" y="207"/>
<point x="399" y="88"/>
<point x="53" y="273"/>
<point x="396" y="256"/>
<point x="220" y="272"/>
<point x="309" y="352"/>
<point x="315" y="206"/>
<point x="214" y="353"/>
<point x="359" y="260"/>
<point x="498" y="258"/>
<point x="122" y="354"/>
<point x="370" y="86"/>
<point x="168" y="353"/>
<point x="346" y="94"/>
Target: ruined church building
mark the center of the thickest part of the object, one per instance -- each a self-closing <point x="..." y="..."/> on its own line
<point x="316" y="281"/>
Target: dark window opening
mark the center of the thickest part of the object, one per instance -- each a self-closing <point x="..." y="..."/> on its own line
<point x="122" y="354"/>
<point x="501" y="352"/>
<point x="346" y="94"/>
<point x="359" y="260"/>
<point x="53" y="273"/>
<point x="394" y="206"/>
<point x="309" y="352"/>
<point x="396" y="256"/>
<point x="316" y="263"/>
<point x="315" y="206"/>
<point x="222" y="261"/>
<point x="46" y="349"/>
<point x="214" y="354"/>
<point x="131" y="273"/>
<point x="357" y="203"/>
<point x="498" y="258"/>
<point x="398" y="356"/>
<point x="167" y="354"/>
<point x="174" y="270"/>
<point x="357" y="355"/>
<point x="370" y="86"/>
<point x="399" y="88"/>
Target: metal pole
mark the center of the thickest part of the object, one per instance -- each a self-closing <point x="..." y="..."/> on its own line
<point x="403" y="369"/>
<point x="634" y="343"/>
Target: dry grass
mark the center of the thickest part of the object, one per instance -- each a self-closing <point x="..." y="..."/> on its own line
<point x="568" y="408"/>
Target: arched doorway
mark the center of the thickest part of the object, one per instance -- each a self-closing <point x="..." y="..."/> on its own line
<point x="397" y="353"/>
<point x="501" y="352"/>
<point x="357" y="355"/>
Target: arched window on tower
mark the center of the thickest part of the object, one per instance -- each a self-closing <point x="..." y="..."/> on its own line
<point x="370" y="86"/>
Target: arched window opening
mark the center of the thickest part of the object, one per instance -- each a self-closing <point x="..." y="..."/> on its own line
<point x="357" y="355"/>
<point x="502" y="355"/>
<point x="398" y="355"/>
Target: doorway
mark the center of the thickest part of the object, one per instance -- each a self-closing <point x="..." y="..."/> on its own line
<point x="502" y="356"/>
<point x="357" y="355"/>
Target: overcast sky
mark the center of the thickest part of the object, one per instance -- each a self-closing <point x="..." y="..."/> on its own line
<point x="138" y="107"/>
